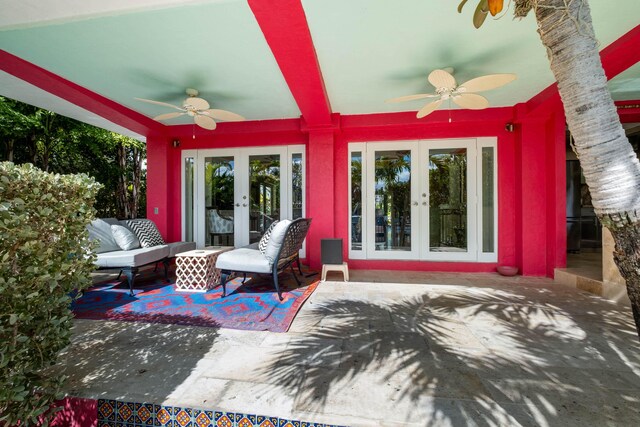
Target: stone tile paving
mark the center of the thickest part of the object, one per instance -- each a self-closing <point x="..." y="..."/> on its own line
<point x="391" y="349"/>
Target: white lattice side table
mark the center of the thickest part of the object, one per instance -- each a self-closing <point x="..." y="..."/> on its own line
<point x="196" y="270"/>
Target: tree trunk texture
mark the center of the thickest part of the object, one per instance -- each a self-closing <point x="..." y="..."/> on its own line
<point x="45" y="155"/>
<point x="122" y="188"/>
<point x="47" y="141"/>
<point x="32" y="146"/>
<point x="626" y="255"/>
<point x="610" y="167"/>
<point x="135" y="181"/>
<point x="10" y="149"/>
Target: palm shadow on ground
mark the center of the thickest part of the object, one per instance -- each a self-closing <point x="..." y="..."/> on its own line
<point x="467" y="357"/>
<point x="107" y="355"/>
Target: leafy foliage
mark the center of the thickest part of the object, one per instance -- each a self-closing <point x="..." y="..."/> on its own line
<point x="44" y="257"/>
<point x="58" y="144"/>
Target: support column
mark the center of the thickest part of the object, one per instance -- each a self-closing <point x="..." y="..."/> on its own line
<point x="532" y="198"/>
<point x="556" y="192"/>
<point x="158" y="191"/>
<point x="320" y="192"/>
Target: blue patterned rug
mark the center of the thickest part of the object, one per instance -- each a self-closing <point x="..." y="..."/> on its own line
<point x="253" y="305"/>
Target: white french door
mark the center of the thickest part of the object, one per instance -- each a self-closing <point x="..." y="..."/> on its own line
<point x="448" y="200"/>
<point x="419" y="200"/>
<point x="391" y="190"/>
<point x="231" y="196"/>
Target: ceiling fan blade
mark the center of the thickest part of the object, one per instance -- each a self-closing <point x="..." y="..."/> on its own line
<point x="487" y="82"/>
<point x="441" y="78"/>
<point x="225" y="115"/>
<point x="160" y="103"/>
<point x="204" y="121"/>
<point x="429" y="108"/>
<point x="197" y="103"/>
<point x="412" y="97"/>
<point x="471" y="101"/>
<point x="167" y="116"/>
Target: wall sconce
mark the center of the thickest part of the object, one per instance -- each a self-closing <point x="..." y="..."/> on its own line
<point x="509" y="127"/>
<point x="176" y="143"/>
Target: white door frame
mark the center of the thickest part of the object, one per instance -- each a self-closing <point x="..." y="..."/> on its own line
<point x="242" y="232"/>
<point x="200" y="202"/>
<point x="420" y="249"/>
<point x="471" y="253"/>
<point x="370" y="220"/>
<point x="240" y="187"/>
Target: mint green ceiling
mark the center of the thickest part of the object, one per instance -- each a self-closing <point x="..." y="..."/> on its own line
<point x="626" y="85"/>
<point x="368" y="50"/>
<point x="372" y="50"/>
<point x="217" y="48"/>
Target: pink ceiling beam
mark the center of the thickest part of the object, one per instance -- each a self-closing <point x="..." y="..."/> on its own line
<point x="285" y="28"/>
<point x="78" y="95"/>
<point x="616" y="58"/>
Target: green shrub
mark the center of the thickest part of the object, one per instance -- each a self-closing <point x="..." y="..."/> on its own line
<point x="45" y="254"/>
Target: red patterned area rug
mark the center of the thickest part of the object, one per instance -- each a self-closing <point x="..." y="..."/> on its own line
<point x="253" y="305"/>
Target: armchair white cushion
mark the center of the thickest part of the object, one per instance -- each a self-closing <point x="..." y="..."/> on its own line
<point x="275" y="240"/>
<point x="281" y="252"/>
<point x="244" y="259"/>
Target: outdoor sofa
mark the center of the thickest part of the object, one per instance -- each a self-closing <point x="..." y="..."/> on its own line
<point x="278" y="249"/>
<point x="130" y="244"/>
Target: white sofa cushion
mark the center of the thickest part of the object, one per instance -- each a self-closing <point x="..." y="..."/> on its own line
<point x="276" y="239"/>
<point x="124" y="237"/>
<point x="244" y="259"/>
<point x="177" y="247"/>
<point x="100" y="230"/>
<point x="133" y="258"/>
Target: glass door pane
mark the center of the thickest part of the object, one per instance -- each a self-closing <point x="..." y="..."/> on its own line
<point x="392" y="200"/>
<point x="356" y="201"/>
<point x="189" y="198"/>
<point x="264" y="193"/>
<point x="447" y="200"/>
<point x="219" y="176"/>
<point x="488" y="196"/>
<point x="297" y="187"/>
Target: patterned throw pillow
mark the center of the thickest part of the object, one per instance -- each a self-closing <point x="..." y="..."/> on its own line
<point x="262" y="246"/>
<point x="146" y="232"/>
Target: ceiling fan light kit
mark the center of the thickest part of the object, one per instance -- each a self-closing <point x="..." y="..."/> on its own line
<point x="197" y="108"/>
<point x="446" y="89"/>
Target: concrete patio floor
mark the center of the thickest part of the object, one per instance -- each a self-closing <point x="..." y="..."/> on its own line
<point x="388" y="349"/>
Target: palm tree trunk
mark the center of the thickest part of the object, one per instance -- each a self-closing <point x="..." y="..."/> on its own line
<point x="610" y="166"/>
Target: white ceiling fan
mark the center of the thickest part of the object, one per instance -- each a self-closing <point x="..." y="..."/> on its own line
<point x="448" y="90"/>
<point x="197" y="108"/>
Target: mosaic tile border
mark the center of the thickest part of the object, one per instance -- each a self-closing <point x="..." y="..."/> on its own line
<point x="115" y="413"/>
